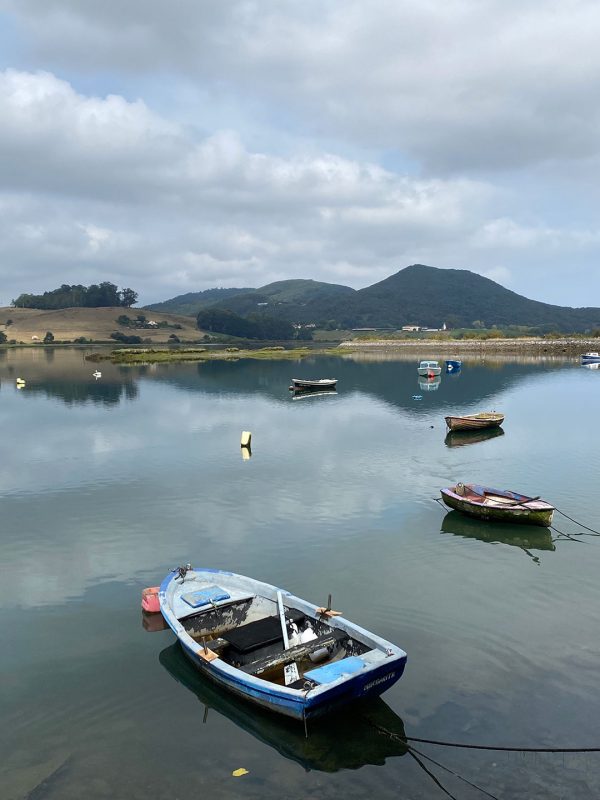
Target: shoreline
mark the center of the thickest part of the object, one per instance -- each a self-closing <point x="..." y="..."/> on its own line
<point x="479" y="346"/>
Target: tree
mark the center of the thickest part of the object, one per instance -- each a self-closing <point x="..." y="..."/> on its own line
<point x="49" y="337"/>
<point x="128" y="297"/>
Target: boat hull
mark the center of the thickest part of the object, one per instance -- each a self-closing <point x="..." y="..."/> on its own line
<point x="453" y="365"/>
<point x="540" y="514"/>
<point x="590" y="358"/>
<point x="313" y="386"/>
<point x="473" y="422"/>
<point x="369" y="681"/>
<point x="429" y="371"/>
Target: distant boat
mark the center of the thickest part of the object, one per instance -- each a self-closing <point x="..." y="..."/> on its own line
<point x="272" y="648"/>
<point x="97" y="374"/>
<point x="429" y="368"/>
<point x="462" y="438"/>
<point x="497" y="505"/>
<point x="470" y="422"/>
<point x="590" y="358"/>
<point x="453" y="364"/>
<point x="313" y="385"/>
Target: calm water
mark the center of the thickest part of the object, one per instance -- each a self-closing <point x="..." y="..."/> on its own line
<point x="106" y="485"/>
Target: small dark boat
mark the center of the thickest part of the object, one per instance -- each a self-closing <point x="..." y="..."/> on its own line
<point x="272" y="648"/>
<point x="313" y="386"/>
<point x="453" y="364"/>
<point x="462" y="438"/>
<point x="367" y="733"/>
<point x="470" y="422"/>
<point x="526" y="538"/>
<point x="497" y="505"/>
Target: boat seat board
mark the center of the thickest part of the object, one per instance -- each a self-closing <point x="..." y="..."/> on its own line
<point x="260" y="633"/>
<point x="208" y="595"/>
<point x="337" y="669"/>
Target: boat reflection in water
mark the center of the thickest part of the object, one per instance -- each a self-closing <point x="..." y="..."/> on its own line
<point x="595" y="365"/>
<point x="525" y="537"/>
<point x="366" y="732"/>
<point x="430" y="384"/>
<point x="298" y="394"/>
<point x="460" y="438"/>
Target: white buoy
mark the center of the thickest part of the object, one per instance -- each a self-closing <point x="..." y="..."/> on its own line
<point x="246" y="438"/>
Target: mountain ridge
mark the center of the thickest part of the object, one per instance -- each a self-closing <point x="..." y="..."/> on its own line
<point x="418" y="295"/>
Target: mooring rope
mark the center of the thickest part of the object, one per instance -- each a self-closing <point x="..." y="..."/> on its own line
<point x="581" y="525"/>
<point x="496" y="748"/>
<point x="452" y="772"/>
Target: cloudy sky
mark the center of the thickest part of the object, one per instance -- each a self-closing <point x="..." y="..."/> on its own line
<point x="175" y="146"/>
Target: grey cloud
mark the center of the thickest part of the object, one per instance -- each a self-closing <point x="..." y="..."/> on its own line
<point x="457" y="85"/>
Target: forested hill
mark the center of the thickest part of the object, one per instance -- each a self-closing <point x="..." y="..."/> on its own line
<point x="191" y="303"/>
<point x="418" y="295"/>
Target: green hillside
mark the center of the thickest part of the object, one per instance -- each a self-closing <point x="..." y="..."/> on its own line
<point x="418" y="295"/>
<point x="190" y="304"/>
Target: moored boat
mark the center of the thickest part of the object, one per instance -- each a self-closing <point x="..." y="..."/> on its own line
<point x="472" y="422"/>
<point x="590" y="358"/>
<point x="313" y="385"/>
<point x="272" y="648"/>
<point x="429" y="368"/>
<point x="497" y="505"/>
<point x="453" y="364"/>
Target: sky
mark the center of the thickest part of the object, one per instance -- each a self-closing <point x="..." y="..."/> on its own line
<point x="174" y="147"/>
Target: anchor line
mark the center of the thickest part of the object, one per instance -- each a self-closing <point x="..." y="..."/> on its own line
<point x="452" y="772"/>
<point x="581" y="525"/>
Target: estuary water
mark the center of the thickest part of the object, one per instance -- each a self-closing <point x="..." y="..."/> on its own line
<point x="106" y="485"/>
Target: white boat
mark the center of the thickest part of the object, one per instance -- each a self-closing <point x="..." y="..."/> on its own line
<point x="272" y="648"/>
<point x="429" y="368"/>
<point x="97" y="374"/>
<point x="313" y="385"/>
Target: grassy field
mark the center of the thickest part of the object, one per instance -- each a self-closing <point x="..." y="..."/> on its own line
<point x="141" y="355"/>
<point x="30" y="325"/>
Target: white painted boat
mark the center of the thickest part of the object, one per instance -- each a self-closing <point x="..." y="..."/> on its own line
<point x="272" y="648"/>
<point x="429" y="368"/>
<point x="313" y="385"/>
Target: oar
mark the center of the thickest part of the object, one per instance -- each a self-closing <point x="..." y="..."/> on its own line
<point x="513" y="502"/>
<point x="286" y="643"/>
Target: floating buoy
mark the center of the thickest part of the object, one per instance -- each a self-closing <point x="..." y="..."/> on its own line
<point x="150" y="602"/>
<point x="246" y="439"/>
<point x="97" y="374"/>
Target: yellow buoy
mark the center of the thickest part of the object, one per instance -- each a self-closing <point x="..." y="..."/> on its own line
<point x="246" y="438"/>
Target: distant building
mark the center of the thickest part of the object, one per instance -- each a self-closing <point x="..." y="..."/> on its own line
<point x="359" y="330"/>
<point x="152" y="324"/>
<point x="411" y="327"/>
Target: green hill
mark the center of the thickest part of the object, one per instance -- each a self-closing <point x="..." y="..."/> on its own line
<point x="418" y="295"/>
<point x="190" y="304"/>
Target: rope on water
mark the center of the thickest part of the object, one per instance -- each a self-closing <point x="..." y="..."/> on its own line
<point x="581" y="525"/>
<point x="568" y="535"/>
<point x="452" y="772"/>
<point x="496" y="748"/>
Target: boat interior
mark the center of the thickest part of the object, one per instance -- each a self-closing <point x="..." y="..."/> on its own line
<point x="247" y="634"/>
<point x="479" y="494"/>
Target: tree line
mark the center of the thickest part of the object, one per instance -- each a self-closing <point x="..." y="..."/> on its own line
<point x="78" y="296"/>
<point x="254" y="326"/>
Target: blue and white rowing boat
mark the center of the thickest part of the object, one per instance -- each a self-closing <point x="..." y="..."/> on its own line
<point x="272" y="648"/>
